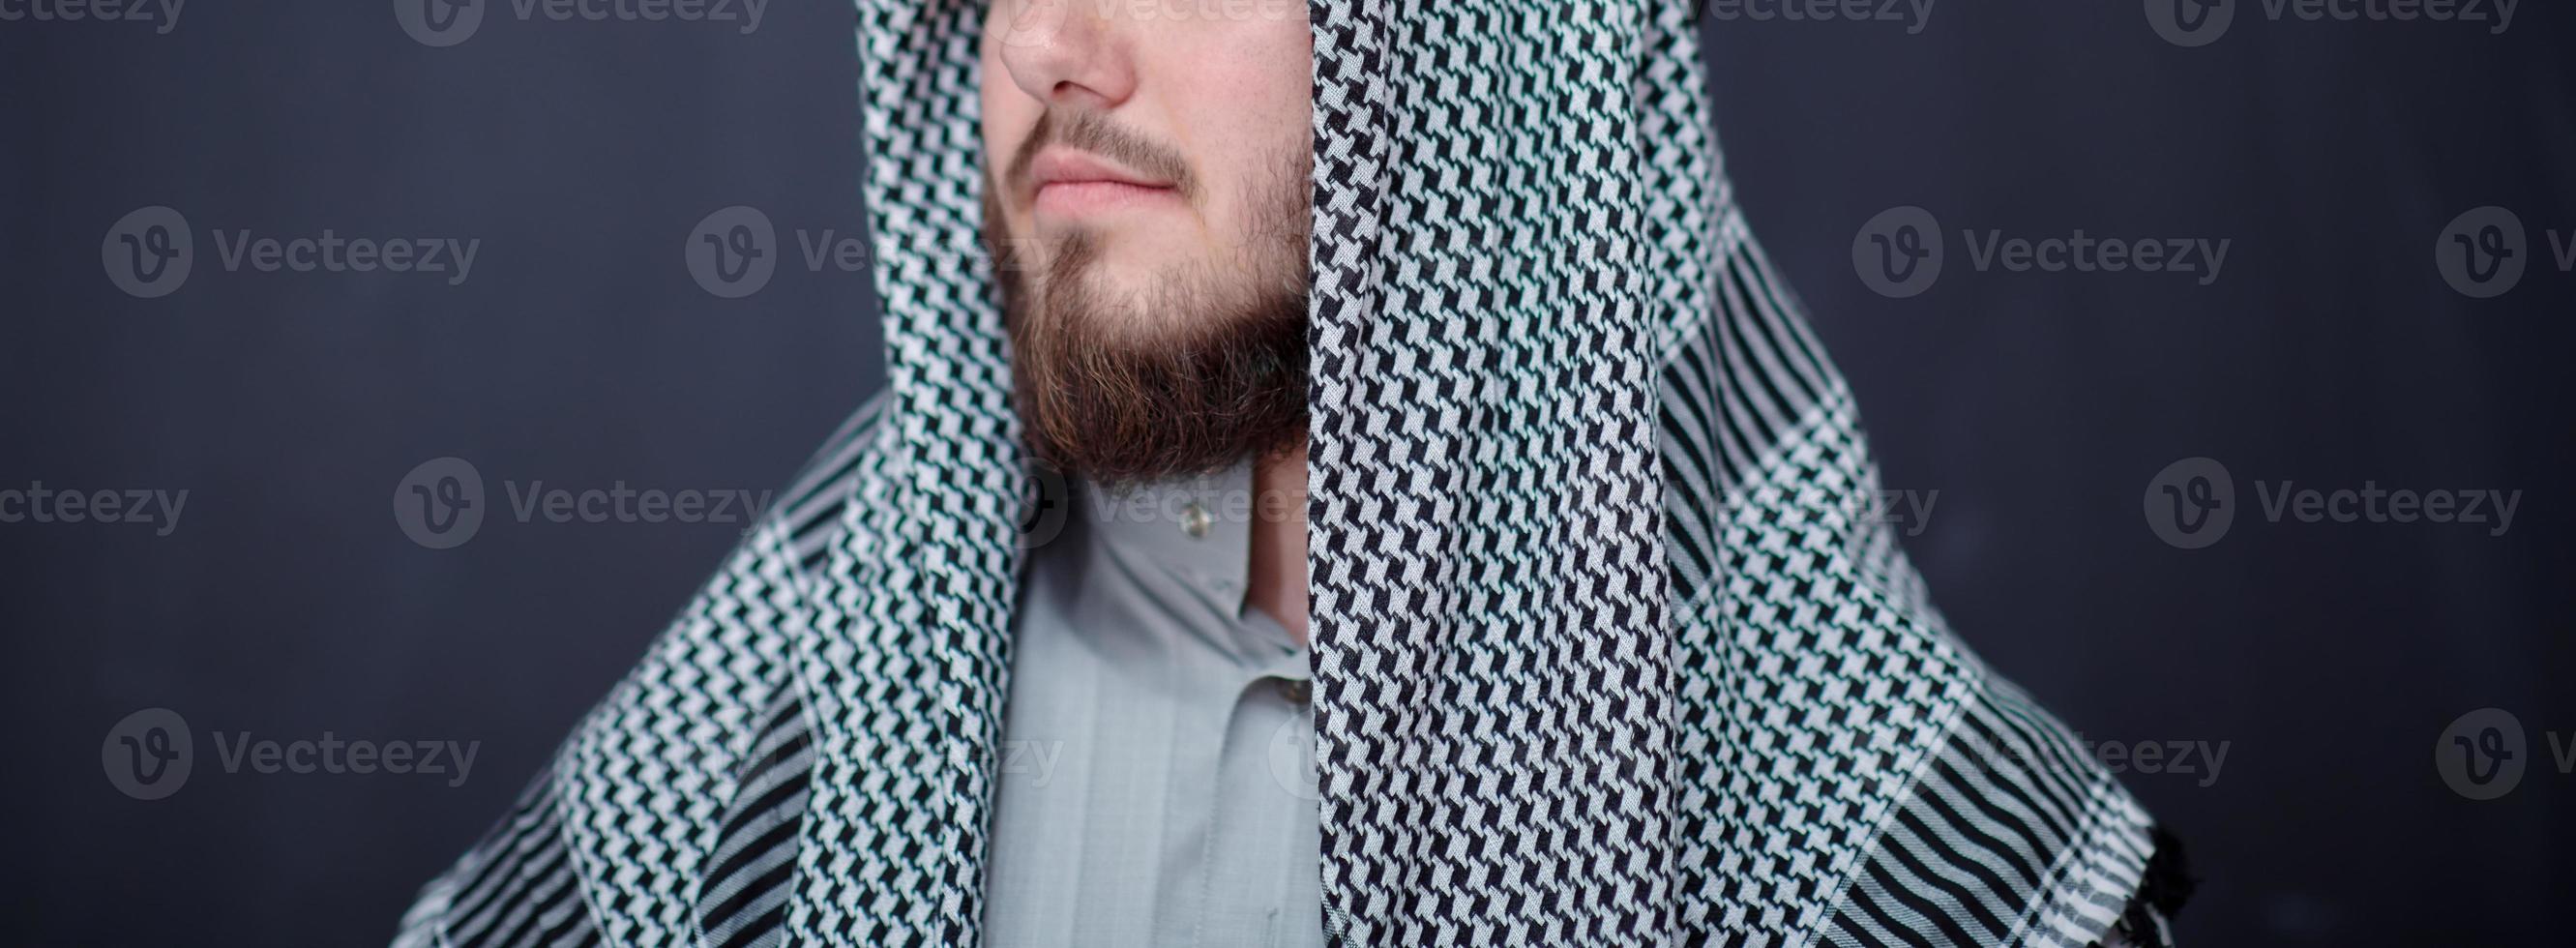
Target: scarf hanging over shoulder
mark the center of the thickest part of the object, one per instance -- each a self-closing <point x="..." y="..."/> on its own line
<point x="1608" y="650"/>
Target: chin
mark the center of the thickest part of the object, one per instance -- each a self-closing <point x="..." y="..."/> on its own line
<point x="1128" y="291"/>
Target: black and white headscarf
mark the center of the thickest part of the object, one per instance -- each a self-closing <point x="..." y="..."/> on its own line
<point x="1606" y="652"/>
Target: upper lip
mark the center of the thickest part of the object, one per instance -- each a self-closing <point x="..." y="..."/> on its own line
<point x="1066" y="166"/>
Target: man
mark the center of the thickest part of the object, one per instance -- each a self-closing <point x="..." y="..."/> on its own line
<point x="1569" y="599"/>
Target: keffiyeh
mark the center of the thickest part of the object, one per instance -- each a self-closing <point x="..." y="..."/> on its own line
<point x="1605" y="653"/>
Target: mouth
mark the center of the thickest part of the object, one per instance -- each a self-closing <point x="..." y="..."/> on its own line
<point x="1071" y="184"/>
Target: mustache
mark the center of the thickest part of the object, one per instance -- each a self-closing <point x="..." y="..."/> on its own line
<point x="1095" y="133"/>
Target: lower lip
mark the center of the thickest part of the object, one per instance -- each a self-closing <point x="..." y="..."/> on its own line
<point x="1091" y="197"/>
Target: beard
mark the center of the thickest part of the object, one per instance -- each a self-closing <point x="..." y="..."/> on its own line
<point x="1199" y="367"/>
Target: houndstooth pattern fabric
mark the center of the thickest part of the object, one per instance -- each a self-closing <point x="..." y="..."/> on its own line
<point x="1494" y="723"/>
<point x="1607" y="651"/>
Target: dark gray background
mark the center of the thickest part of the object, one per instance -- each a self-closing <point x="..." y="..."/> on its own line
<point x="581" y="353"/>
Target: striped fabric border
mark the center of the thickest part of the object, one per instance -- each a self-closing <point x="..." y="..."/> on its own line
<point x="2006" y="840"/>
<point x="744" y="901"/>
<point x="520" y="886"/>
<point x="515" y="889"/>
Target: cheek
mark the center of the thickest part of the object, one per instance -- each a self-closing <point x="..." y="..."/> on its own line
<point x="1246" y="98"/>
<point x="1009" y="115"/>
<point x="1263" y="72"/>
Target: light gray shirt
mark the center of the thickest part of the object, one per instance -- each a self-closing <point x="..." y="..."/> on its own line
<point x="1157" y="781"/>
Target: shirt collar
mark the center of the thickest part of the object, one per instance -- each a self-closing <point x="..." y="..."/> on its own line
<point x="1196" y="529"/>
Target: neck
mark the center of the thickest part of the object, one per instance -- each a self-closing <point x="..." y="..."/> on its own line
<point x="1278" y="562"/>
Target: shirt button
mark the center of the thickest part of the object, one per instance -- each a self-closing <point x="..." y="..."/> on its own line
<point x="1297" y="691"/>
<point x="1194" y="521"/>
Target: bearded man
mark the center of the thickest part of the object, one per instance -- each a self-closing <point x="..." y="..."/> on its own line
<point x="1345" y="476"/>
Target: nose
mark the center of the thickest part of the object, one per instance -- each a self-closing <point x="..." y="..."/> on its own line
<point x="1067" y="53"/>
